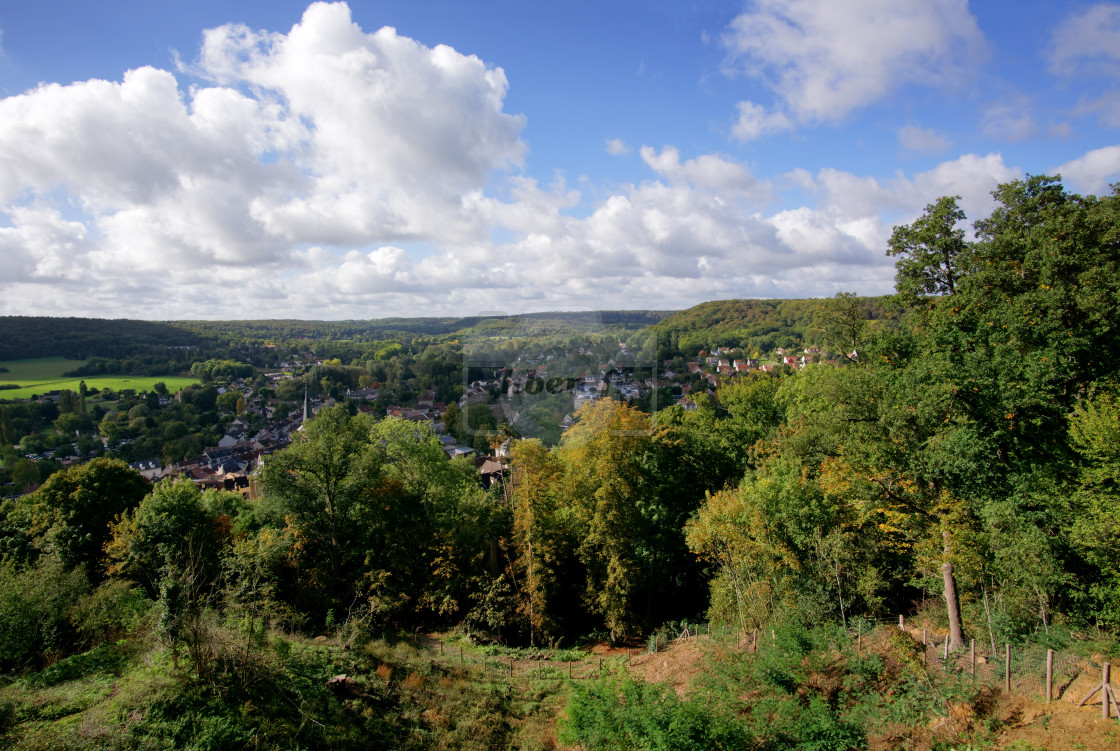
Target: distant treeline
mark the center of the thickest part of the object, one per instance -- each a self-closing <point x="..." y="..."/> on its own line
<point x="388" y="328"/>
<point x="758" y="325"/>
<point x="23" y="337"/>
<point x="150" y="347"/>
<point x="154" y="348"/>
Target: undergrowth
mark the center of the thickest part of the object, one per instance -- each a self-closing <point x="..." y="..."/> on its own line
<point x="804" y="688"/>
<point x="282" y="694"/>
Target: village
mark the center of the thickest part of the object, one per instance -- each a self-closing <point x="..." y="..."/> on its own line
<point x="251" y="422"/>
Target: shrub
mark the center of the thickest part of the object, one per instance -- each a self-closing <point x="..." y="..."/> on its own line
<point x="109" y="613"/>
<point x="34" y="607"/>
<point x="623" y="713"/>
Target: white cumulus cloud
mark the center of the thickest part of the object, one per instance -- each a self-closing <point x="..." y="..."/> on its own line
<point x="330" y="172"/>
<point x="325" y="134"/>
<point x="824" y="59"/>
<point x="1093" y="172"/>
<point x="705" y="171"/>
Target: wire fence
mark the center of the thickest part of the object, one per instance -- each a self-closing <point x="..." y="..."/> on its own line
<point x="1024" y="669"/>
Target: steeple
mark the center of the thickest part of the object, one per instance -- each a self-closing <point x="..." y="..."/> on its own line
<point x="306" y="405"/>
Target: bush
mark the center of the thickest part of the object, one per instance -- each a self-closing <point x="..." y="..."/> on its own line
<point x="623" y="713"/>
<point x="34" y="611"/>
<point x="110" y="612"/>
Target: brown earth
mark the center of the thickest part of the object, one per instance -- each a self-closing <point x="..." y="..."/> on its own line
<point x="676" y="665"/>
<point x="1060" y="725"/>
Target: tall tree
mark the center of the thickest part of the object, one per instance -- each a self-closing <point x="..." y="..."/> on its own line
<point x="981" y="391"/>
<point x="327" y="478"/>
<point x="171" y="528"/>
<point x="603" y="453"/>
<point x="843" y="321"/>
<point x="542" y="535"/>
<point x="71" y="513"/>
<point x="1095" y="526"/>
<point x="932" y="251"/>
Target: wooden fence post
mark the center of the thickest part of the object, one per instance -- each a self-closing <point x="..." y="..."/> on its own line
<point x="1007" y="667"/>
<point x="1049" y="675"/>
<point x="1107" y="694"/>
<point x="972" y="657"/>
<point x="1106" y="669"/>
<point x="1112" y="698"/>
<point x="569" y="670"/>
<point x="901" y="622"/>
<point x="945" y="655"/>
<point x="925" y="640"/>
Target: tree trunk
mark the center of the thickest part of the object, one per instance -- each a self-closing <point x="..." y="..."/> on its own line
<point x="956" y="638"/>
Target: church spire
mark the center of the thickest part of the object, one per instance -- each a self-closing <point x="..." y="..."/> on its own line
<point x="306" y="405"/>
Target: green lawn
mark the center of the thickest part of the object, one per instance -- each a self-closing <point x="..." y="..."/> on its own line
<point x="44" y="374"/>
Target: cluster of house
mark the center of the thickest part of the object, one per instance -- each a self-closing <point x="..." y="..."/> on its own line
<point x="518" y="387"/>
<point x="721" y="363"/>
<point x="612" y="379"/>
<point x="607" y="384"/>
<point x="230" y="464"/>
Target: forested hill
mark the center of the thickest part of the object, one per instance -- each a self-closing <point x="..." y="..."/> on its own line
<point x="758" y="325"/>
<point x="381" y="328"/>
<point x="755" y="324"/>
<point x="24" y="337"/>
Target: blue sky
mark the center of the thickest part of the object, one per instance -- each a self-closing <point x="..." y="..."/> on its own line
<point x="249" y="160"/>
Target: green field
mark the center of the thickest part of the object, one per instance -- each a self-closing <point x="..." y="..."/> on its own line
<point x="45" y="374"/>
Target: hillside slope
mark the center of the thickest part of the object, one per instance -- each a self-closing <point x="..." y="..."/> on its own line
<point x="757" y="325"/>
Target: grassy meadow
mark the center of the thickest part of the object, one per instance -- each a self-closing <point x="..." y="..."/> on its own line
<point x="45" y="374"/>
